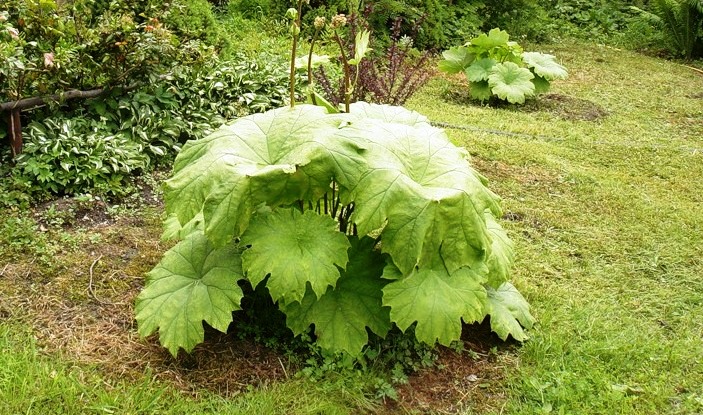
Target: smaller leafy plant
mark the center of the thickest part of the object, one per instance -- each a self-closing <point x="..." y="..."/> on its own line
<point x="67" y="156"/>
<point x="390" y="75"/>
<point x="497" y="67"/>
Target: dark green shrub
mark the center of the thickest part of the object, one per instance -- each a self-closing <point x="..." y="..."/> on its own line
<point x="252" y="8"/>
<point x="642" y="36"/>
<point x="442" y="23"/>
<point x="681" y="22"/>
<point x="47" y="47"/>
<point x="195" y="19"/>
<point x="599" y="20"/>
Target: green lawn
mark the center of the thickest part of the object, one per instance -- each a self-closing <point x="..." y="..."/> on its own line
<point x="602" y="187"/>
<point x="608" y="219"/>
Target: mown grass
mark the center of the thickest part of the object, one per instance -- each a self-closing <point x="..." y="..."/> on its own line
<point x="32" y="383"/>
<point x="607" y="216"/>
<point x="606" y="212"/>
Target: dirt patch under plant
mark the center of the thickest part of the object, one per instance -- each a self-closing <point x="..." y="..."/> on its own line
<point x="561" y="106"/>
<point x="461" y="380"/>
<point x="83" y="310"/>
<point x="567" y="107"/>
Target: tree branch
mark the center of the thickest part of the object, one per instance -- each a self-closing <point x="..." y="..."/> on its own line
<point x="28" y="103"/>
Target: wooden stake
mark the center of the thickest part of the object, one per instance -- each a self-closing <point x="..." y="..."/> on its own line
<point x="15" y="131"/>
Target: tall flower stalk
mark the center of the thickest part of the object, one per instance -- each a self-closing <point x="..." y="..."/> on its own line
<point x="295" y="15"/>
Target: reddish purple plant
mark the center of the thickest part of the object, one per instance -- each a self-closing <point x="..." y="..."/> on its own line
<point x="388" y="78"/>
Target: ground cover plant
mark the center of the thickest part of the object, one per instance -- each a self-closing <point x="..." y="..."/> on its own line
<point x="497" y="67"/>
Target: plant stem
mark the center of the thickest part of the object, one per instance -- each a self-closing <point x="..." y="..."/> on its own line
<point x="347" y="73"/>
<point x="335" y="202"/>
<point x="347" y="215"/>
<point x="296" y="34"/>
<point x="311" y="80"/>
<point x="342" y="221"/>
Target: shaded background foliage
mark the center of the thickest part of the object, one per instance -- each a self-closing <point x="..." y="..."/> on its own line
<point x="175" y="70"/>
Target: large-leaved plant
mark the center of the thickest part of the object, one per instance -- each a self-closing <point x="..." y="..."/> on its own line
<point x="497" y="67"/>
<point x="353" y="221"/>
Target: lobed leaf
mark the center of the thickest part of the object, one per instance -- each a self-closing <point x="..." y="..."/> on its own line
<point x="174" y="231"/>
<point x="421" y="187"/>
<point x="343" y="313"/>
<point x="480" y="90"/>
<point x="297" y="250"/>
<point x="545" y="65"/>
<point x="502" y="256"/>
<point x="541" y="85"/>
<point x="493" y="39"/>
<point x="437" y="301"/>
<point x="509" y="312"/>
<point x="274" y="158"/>
<point x="511" y="82"/>
<point x="456" y="59"/>
<point x="194" y="282"/>
<point x="480" y="70"/>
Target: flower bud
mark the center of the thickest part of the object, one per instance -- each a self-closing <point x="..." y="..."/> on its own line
<point x="338" y="21"/>
<point x="49" y="60"/>
<point x="320" y="22"/>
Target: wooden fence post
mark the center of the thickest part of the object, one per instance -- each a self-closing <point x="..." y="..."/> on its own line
<point x="15" y="131"/>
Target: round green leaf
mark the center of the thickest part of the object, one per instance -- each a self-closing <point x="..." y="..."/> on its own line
<point x="456" y="59"/>
<point x="511" y="82"/>
<point x="545" y="65"/>
<point x="480" y="90"/>
<point x="194" y="282"/>
<point x="276" y="158"/>
<point x="421" y="187"/>
<point x="495" y="38"/>
<point x="296" y="249"/>
<point x="480" y="70"/>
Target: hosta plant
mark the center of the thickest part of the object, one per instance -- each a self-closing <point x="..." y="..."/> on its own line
<point x="352" y="221"/>
<point x="498" y="67"/>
